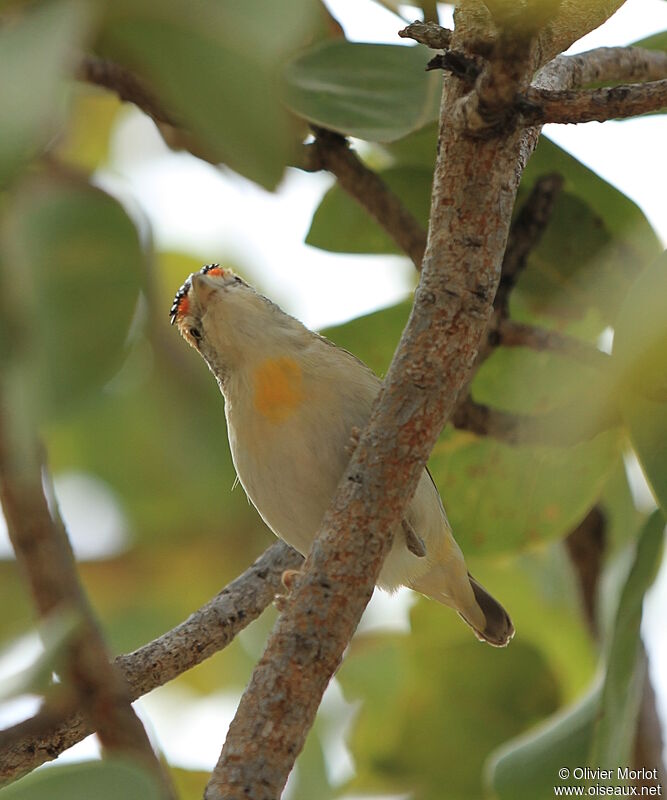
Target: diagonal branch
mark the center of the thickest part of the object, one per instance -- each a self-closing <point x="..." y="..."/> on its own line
<point x="44" y="554"/>
<point x="330" y="151"/>
<point x="208" y="630"/>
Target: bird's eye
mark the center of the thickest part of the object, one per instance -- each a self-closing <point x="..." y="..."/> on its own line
<point x="195" y="333"/>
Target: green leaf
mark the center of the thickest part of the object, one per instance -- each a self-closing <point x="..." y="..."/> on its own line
<point x="341" y="226"/>
<point x="73" y="256"/>
<point x="103" y="780"/>
<point x="373" y="91"/>
<point x="527" y="768"/>
<point x="222" y="76"/>
<point x="87" y="135"/>
<point x="501" y="498"/>
<point x="658" y="41"/>
<point x="640" y="360"/>
<point x="599" y="729"/>
<point x="36" y="52"/>
<point x="596" y="244"/>
<point x="621" y="693"/>
<point x="424" y="697"/>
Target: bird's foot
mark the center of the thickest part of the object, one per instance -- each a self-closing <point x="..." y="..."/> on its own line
<point x="289" y="579"/>
<point x="355" y="435"/>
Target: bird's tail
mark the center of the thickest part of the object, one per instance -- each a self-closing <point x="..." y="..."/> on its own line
<point x="488" y="619"/>
<point x="498" y="629"/>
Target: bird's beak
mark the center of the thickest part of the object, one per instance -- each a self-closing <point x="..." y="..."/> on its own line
<point x="203" y="288"/>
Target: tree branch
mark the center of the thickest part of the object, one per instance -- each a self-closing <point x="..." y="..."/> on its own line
<point x="330" y="151"/>
<point x="526" y="231"/>
<point x="428" y="33"/>
<point x="208" y="630"/>
<point x="517" y="334"/>
<point x="44" y="554"/>
<point x="561" y="427"/>
<point x="128" y="87"/>
<point x="617" y="102"/>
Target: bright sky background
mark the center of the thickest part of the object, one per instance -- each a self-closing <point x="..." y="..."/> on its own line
<point x="215" y="214"/>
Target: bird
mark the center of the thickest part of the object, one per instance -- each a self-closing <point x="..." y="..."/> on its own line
<point x="293" y="404"/>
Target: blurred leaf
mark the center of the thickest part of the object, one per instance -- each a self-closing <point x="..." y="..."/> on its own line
<point x="74" y="254"/>
<point x="616" y="721"/>
<point x="36" y="52"/>
<point x="596" y="244"/>
<point x="311" y="779"/>
<point x="56" y="633"/>
<point x="341" y="226"/>
<point x="189" y="783"/>
<point x="85" y="143"/>
<point x="373" y="91"/>
<point x="435" y="704"/>
<point x="501" y="497"/>
<point x="599" y="729"/>
<point x="622" y="518"/>
<point x="640" y="359"/>
<point x="541" y="594"/>
<point x="103" y="780"/>
<point x="373" y="337"/>
<point x="222" y="75"/>
<point x="417" y="148"/>
<point x="527" y="767"/>
<point x="658" y="41"/>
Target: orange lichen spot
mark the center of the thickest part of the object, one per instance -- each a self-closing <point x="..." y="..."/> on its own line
<point x="278" y="389"/>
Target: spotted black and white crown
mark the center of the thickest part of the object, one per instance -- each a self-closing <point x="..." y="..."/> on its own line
<point x="182" y="293"/>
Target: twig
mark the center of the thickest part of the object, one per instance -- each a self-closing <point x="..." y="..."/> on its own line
<point x="526" y="231"/>
<point x="586" y="546"/>
<point x="617" y="102"/>
<point x="429" y="33"/>
<point x="125" y="84"/>
<point x="45" y="556"/>
<point x="517" y="334"/>
<point x="208" y="630"/>
<point x="561" y="427"/>
<point x="330" y="151"/>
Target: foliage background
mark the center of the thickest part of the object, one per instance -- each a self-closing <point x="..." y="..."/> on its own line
<point x="90" y="359"/>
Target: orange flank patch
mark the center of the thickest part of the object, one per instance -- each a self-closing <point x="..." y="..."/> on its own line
<point x="216" y="271"/>
<point x="277" y="388"/>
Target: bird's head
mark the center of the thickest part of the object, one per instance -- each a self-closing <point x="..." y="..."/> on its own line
<point x="227" y="321"/>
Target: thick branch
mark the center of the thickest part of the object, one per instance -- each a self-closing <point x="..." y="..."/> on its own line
<point x="330" y="151"/>
<point x="208" y="630"/>
<point x="626" y="100"/>
<point x="45" y="556"/>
